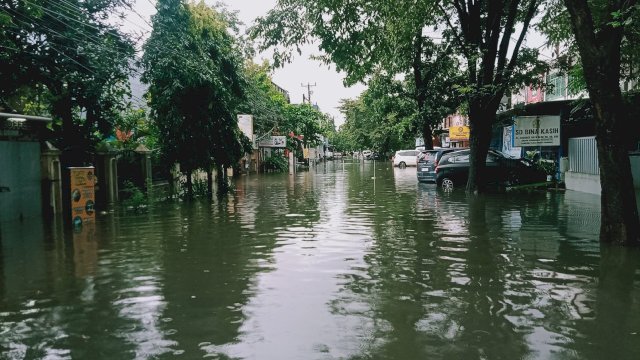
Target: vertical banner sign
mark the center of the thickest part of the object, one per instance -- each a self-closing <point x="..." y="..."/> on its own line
<point x="82" y="180"/>
<point x="305" y="153"/>
<point x="245" y="123"/>
<point x="507" y="142"/>
<point x="537" y="131"/>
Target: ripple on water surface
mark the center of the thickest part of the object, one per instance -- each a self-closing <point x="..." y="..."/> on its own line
<point x="325" y="264"/>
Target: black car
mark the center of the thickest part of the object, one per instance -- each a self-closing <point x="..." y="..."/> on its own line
<point x="377" y="156"/>
<point x="453" y="170"/>
<point x="427" y="162"/>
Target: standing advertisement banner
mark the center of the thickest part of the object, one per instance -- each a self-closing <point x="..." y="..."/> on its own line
<point x="507" y="143"/>
<point x="82" y="182"/>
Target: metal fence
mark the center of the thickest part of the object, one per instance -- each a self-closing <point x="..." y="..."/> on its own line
<point x="583" y="155"/>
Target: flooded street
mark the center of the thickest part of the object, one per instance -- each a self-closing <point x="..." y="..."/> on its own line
<point x="327" y="264"/>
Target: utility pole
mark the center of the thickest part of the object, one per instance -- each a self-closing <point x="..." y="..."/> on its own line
<point x="309" y="92"/>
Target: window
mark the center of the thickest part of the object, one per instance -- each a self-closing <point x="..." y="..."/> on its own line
<point x="430" y="156"/>
<point x="557" y="81"/>
<point x="460" y="159"/>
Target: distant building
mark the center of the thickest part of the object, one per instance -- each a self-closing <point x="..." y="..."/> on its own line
<point x="284" y="92"/>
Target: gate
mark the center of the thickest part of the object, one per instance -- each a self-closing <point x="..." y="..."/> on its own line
<point x="583" y="155"/>
<point x="20" y="184"/>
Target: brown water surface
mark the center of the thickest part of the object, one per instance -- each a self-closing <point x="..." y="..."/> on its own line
<point x="328" y="264"/>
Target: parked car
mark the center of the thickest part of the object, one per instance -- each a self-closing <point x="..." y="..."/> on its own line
<point x="427" y="162"/>
<point x="453" y="170"/>
<point x="367" y="154"/>
<point x="377" y="156"/>
<point x="328" y="155"/>
<point x="404" y="158"/>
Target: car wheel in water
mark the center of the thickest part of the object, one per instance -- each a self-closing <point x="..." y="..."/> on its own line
<point x="447" y="184"/>
<point x="402" y="165"/>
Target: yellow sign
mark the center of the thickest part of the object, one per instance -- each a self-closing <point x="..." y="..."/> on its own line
<point x="459" y="133"/>
<point x="305" y="153"/>
<point x="82" y="195"/>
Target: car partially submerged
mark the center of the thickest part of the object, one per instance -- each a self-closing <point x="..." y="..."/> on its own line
<point x="453" y="170"/>
<point x="427" y="162"/>
<point x="404" y="158"/>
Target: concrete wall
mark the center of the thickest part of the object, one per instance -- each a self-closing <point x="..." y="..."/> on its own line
<point x="582" y="182"/>
<point x="591" y="183"/>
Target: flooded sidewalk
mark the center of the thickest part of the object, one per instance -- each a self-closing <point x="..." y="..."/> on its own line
<point x="333" y="263"/>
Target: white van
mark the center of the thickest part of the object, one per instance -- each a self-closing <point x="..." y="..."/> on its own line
<point x="404" y="158"/>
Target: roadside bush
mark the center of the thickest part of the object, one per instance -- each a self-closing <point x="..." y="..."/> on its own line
<point x="547" y="167"/>
<point x="135" y="199"/>
<point x="275" y="163"/>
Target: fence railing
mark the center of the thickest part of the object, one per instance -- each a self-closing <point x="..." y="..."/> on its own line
<point x="583" y="155"/>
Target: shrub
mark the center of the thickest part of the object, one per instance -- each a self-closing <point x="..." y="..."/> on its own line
<point x="276" y="163"/>
<point x="135" y="199"/>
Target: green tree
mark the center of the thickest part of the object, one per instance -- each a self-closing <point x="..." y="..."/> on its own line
<point x="383" y="118"/>
<point x="482" y="32"/>
<point x="305" y="120"/>
<point x="263" y="100"/>
<point x="365" y="37"/>
<point x="193" y="68"/>
<point x="606" y="39"/>
<point x="66" y="58"/>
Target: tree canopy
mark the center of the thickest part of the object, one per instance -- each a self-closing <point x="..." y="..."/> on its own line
<point x="65" y="59"/>
<point x="193" y="67"/>
<point x="364" y="37"/>
<point x="381" y="119"/>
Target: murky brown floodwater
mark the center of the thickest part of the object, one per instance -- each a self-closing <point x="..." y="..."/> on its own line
<point x="326" y="265"/>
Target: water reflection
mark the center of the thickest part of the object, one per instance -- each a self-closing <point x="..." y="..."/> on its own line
<point x="325" y="264"/>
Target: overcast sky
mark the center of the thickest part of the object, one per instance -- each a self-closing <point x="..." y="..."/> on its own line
<point x="329" y="88"/>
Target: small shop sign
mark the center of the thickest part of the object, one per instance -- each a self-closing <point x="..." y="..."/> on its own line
<point x="273" y="142"/>
<point x="459" y="133"/>
<point x="536" y="131"/>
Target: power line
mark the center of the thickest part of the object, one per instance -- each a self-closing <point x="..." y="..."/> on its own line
<point x="73" y="8"/>
<point x="60" y="52"/>
<point x="90" y="38"/>
<point x="309" y="92"/>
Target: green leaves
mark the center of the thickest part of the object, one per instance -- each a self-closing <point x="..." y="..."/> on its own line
<point x="65" y="58"/>
<point x="194" y="68"/>
<point x="381" y="119"/>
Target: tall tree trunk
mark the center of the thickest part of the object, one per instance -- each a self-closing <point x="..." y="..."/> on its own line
<point x="209" y="181"/>
<point x="600" y="56"/>
<point x="189" y="174"/>
<point x="419" y="95"/>
<point x="62" y="109"/>
<point x="222" y="180"/>
<point x="480" y="122"/>
<point x="427" y="135"/>
<point x="619" y="213"/>
<point x="71" y="140"/>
